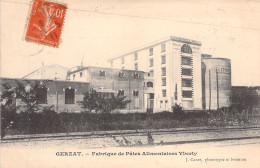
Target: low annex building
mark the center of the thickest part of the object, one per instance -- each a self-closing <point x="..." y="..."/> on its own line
<point x="63" y="95"/>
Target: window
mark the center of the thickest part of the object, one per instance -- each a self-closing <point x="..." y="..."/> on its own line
<point x="186" y="83"/>
<point x="74" y="77"/>
<point x="151" y="95"/>
<point x="151" y="51"/>
<point x="186" y="61"/>
<point x="186" y="49"/>
<point x="163" y="47"/>
<point x="164" y="93"/>
<point x="163" y="59"/>
<point x="136" y="75"/>
<point x="163" y="81"/>
<point x="69" y="96"/>
<point x="121" y="74"/>
<point x="136" y="66"/>
<point x="121" y="92"/>
<point x="187" y="94"/>
<point x="41" y="95"/>
<point x="187" y="72"/>
<point x="151" y="62"/>
<point x="163" y="71"/>
<point x="102" y="73"/>
<point x="136" y="102"/>
<point x="123" y="60"/>
<point x="151" y="72"/>
<point x="135" y="93"/>
<point x="161" y="102"/>
<point x="80" y="74"/>
<point x="123" y="67"/>
<point x="136" y="56"/>
<point x="149" y="84"/>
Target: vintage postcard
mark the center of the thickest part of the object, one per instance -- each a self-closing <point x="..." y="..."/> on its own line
<point x="93" y="83"/>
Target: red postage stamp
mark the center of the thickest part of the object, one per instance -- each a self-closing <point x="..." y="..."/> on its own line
<point x="45" y="22"/>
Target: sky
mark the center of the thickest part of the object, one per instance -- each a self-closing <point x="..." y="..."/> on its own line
<point x="96" y="30"/>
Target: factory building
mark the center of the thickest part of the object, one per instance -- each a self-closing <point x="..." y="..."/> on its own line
<point x="175" y="65"/>
<point x="216" y="82"/>
<point x="153" y="77"/>
<point x="129" y="83"/>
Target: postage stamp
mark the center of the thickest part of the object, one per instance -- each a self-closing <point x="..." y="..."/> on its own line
<point x="45" y="22"/>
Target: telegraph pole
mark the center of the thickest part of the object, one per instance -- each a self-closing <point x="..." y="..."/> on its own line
<point x="209" y="90"/>
<point x="217" y="89"/>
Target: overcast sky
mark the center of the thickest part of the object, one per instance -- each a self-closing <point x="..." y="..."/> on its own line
<point x="99" y="30"/>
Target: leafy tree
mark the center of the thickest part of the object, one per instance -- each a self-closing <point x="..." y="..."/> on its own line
<point x="26" y="93"/>
<point x="90" y="101"/>
<point x="244" y="98"/>
<point x="8" y="107"/>
<point x="107" y="105"/>
<point x="94" y="101"/>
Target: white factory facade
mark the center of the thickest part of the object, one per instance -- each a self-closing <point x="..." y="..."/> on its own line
<point x="175" y="65"/>
<point x="153" y="77"/>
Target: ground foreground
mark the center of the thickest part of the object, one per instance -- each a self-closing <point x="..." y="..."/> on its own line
<point x="236" y="147"/>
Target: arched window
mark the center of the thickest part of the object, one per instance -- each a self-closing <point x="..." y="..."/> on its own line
<point x="186" y="49"/>
<point x="149" y="84"/>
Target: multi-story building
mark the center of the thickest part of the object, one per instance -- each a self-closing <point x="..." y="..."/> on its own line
<point x="175" y="66"/>
<point x="129" y="83"/>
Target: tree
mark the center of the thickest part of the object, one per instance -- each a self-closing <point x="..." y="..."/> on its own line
<point x="26" y="93"/>
<point x="8" y="107"/>
<point x="90" y="101"/>
<point x="113" y="103"/>
<point x="244" y="98"/>
<point x="94" y="101"/>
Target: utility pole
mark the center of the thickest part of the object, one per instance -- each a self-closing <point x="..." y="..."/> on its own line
<point x="129" y="74"/>
<point x="209" y="90"/>
<point x="217" y="89"/>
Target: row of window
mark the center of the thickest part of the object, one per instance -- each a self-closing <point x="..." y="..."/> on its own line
<point x="185" y="94"/>
<point x="163" y="59"/>
<point x="163" y="69"/>
<point x="121" y="74"/>
<point x="122" y="93"/>
<point x="162" y="49"/>
<point x="185" y="49"/>
<point x="41" y="95"/>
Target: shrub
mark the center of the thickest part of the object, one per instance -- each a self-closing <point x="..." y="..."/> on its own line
<point x="177" y="108"/>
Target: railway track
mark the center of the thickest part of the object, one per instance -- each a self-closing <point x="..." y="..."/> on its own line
<point x="142" y="133"/>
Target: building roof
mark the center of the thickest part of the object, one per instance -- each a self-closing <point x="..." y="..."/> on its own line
<point x="101" y="68"/>
<point x="24" y="79"/>
<point x="169" y="38"/>
<point x="47" y="66"/>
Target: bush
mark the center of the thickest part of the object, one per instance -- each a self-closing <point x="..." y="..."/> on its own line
<point x="177" y="108"/>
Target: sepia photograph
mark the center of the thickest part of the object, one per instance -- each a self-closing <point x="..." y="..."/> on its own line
<point x="119" y="83"/>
